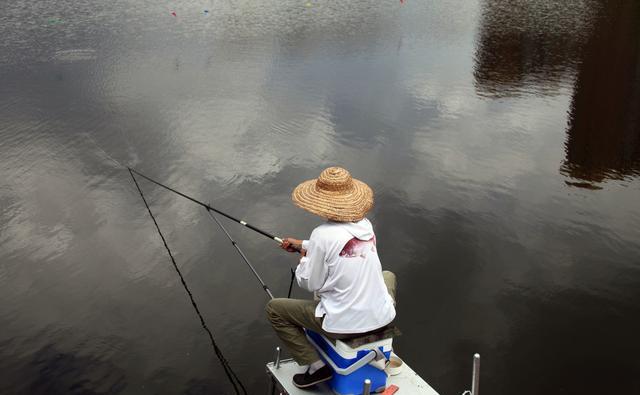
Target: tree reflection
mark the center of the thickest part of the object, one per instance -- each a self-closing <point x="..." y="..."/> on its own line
<point x="591" y="46"/>
<point x="603" y="134"/>
<point x="529" y="46"/>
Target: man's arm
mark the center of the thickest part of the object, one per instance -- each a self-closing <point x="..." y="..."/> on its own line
<point x="312" y="271"/>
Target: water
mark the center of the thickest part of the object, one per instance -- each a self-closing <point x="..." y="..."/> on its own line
<point x="501" y="138"/>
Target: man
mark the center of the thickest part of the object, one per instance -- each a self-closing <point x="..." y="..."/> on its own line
<point x="340" y="265"/>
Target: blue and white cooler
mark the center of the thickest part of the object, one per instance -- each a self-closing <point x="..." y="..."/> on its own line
<point x="352" y="366"/>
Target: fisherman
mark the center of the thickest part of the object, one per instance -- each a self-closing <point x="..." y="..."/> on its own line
<point x="340" y="265"/>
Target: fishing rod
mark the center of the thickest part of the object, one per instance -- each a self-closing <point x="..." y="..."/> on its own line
<point x="264" y="286"/>
<point x="209" y="208"/>
<point x="238" y="386"/>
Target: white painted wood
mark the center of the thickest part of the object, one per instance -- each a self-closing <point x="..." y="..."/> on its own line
<point x="408" y="381"/>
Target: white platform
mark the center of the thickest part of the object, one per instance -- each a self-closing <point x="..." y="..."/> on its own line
<point x="408" y="381"/>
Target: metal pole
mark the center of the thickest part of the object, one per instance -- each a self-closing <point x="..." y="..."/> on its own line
<point x="475" y="380"/>
<point x="264" y="286"/>
<point x="367" y="387"/>
<point x="277" y="363"/>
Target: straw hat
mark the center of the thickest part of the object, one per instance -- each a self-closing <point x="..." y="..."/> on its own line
<point x="335" y="196"/>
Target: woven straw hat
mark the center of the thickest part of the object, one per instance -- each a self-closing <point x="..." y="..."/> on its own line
<point x="334" y="195"/>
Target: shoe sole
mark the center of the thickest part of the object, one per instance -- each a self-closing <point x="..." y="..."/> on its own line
<point x="314" y="383"/>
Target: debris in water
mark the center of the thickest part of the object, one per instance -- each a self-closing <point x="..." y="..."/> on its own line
<point x="174" y="13"/>
<point x="206" y="12"/>
<point x="54" y="21"/>
<point x="308" y="4"/>
<point x="585" y="185"/>
<point x="74" y="55"/>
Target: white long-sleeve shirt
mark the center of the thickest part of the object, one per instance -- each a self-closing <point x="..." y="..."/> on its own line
<point x="342" y="267"/>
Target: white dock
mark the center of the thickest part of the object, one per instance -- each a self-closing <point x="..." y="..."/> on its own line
<point x="408" y="381"/>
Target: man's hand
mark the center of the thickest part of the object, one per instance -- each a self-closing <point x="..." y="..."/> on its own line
<point x="292" y="245"/>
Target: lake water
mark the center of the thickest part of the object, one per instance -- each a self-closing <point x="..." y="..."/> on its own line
<point x="501" y="138"/>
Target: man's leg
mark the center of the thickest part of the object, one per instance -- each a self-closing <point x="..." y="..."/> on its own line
<point x="390" y="282"/>
<point x="288" y="317"/>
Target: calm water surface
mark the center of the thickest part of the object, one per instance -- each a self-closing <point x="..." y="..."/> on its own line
<point x="501" y="137"/>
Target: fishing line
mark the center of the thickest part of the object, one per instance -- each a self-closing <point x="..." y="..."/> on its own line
<point x="111" y="158"/>
<point x="231" y="375"/>
<point x="293" y="275"/>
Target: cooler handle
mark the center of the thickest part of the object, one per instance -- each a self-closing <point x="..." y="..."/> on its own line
<point x="371" y="355"/>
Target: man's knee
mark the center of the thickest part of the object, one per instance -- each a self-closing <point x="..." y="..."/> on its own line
<point x="389" y="279"/>
<point x="390" y="282"/>
<point x="274" y="308"/>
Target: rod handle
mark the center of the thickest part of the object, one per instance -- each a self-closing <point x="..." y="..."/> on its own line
<point x="280" y="241"/>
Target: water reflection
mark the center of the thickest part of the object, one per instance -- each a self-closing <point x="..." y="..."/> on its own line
<point x="603" y="135"/>
<point x="237" y="107"/>
<point x="529" y="46"/>
<point x="554" y="312"/>
<point x="52" y="371"/>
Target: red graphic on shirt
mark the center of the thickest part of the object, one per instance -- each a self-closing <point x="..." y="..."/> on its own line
<point x="358" y="248"/>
